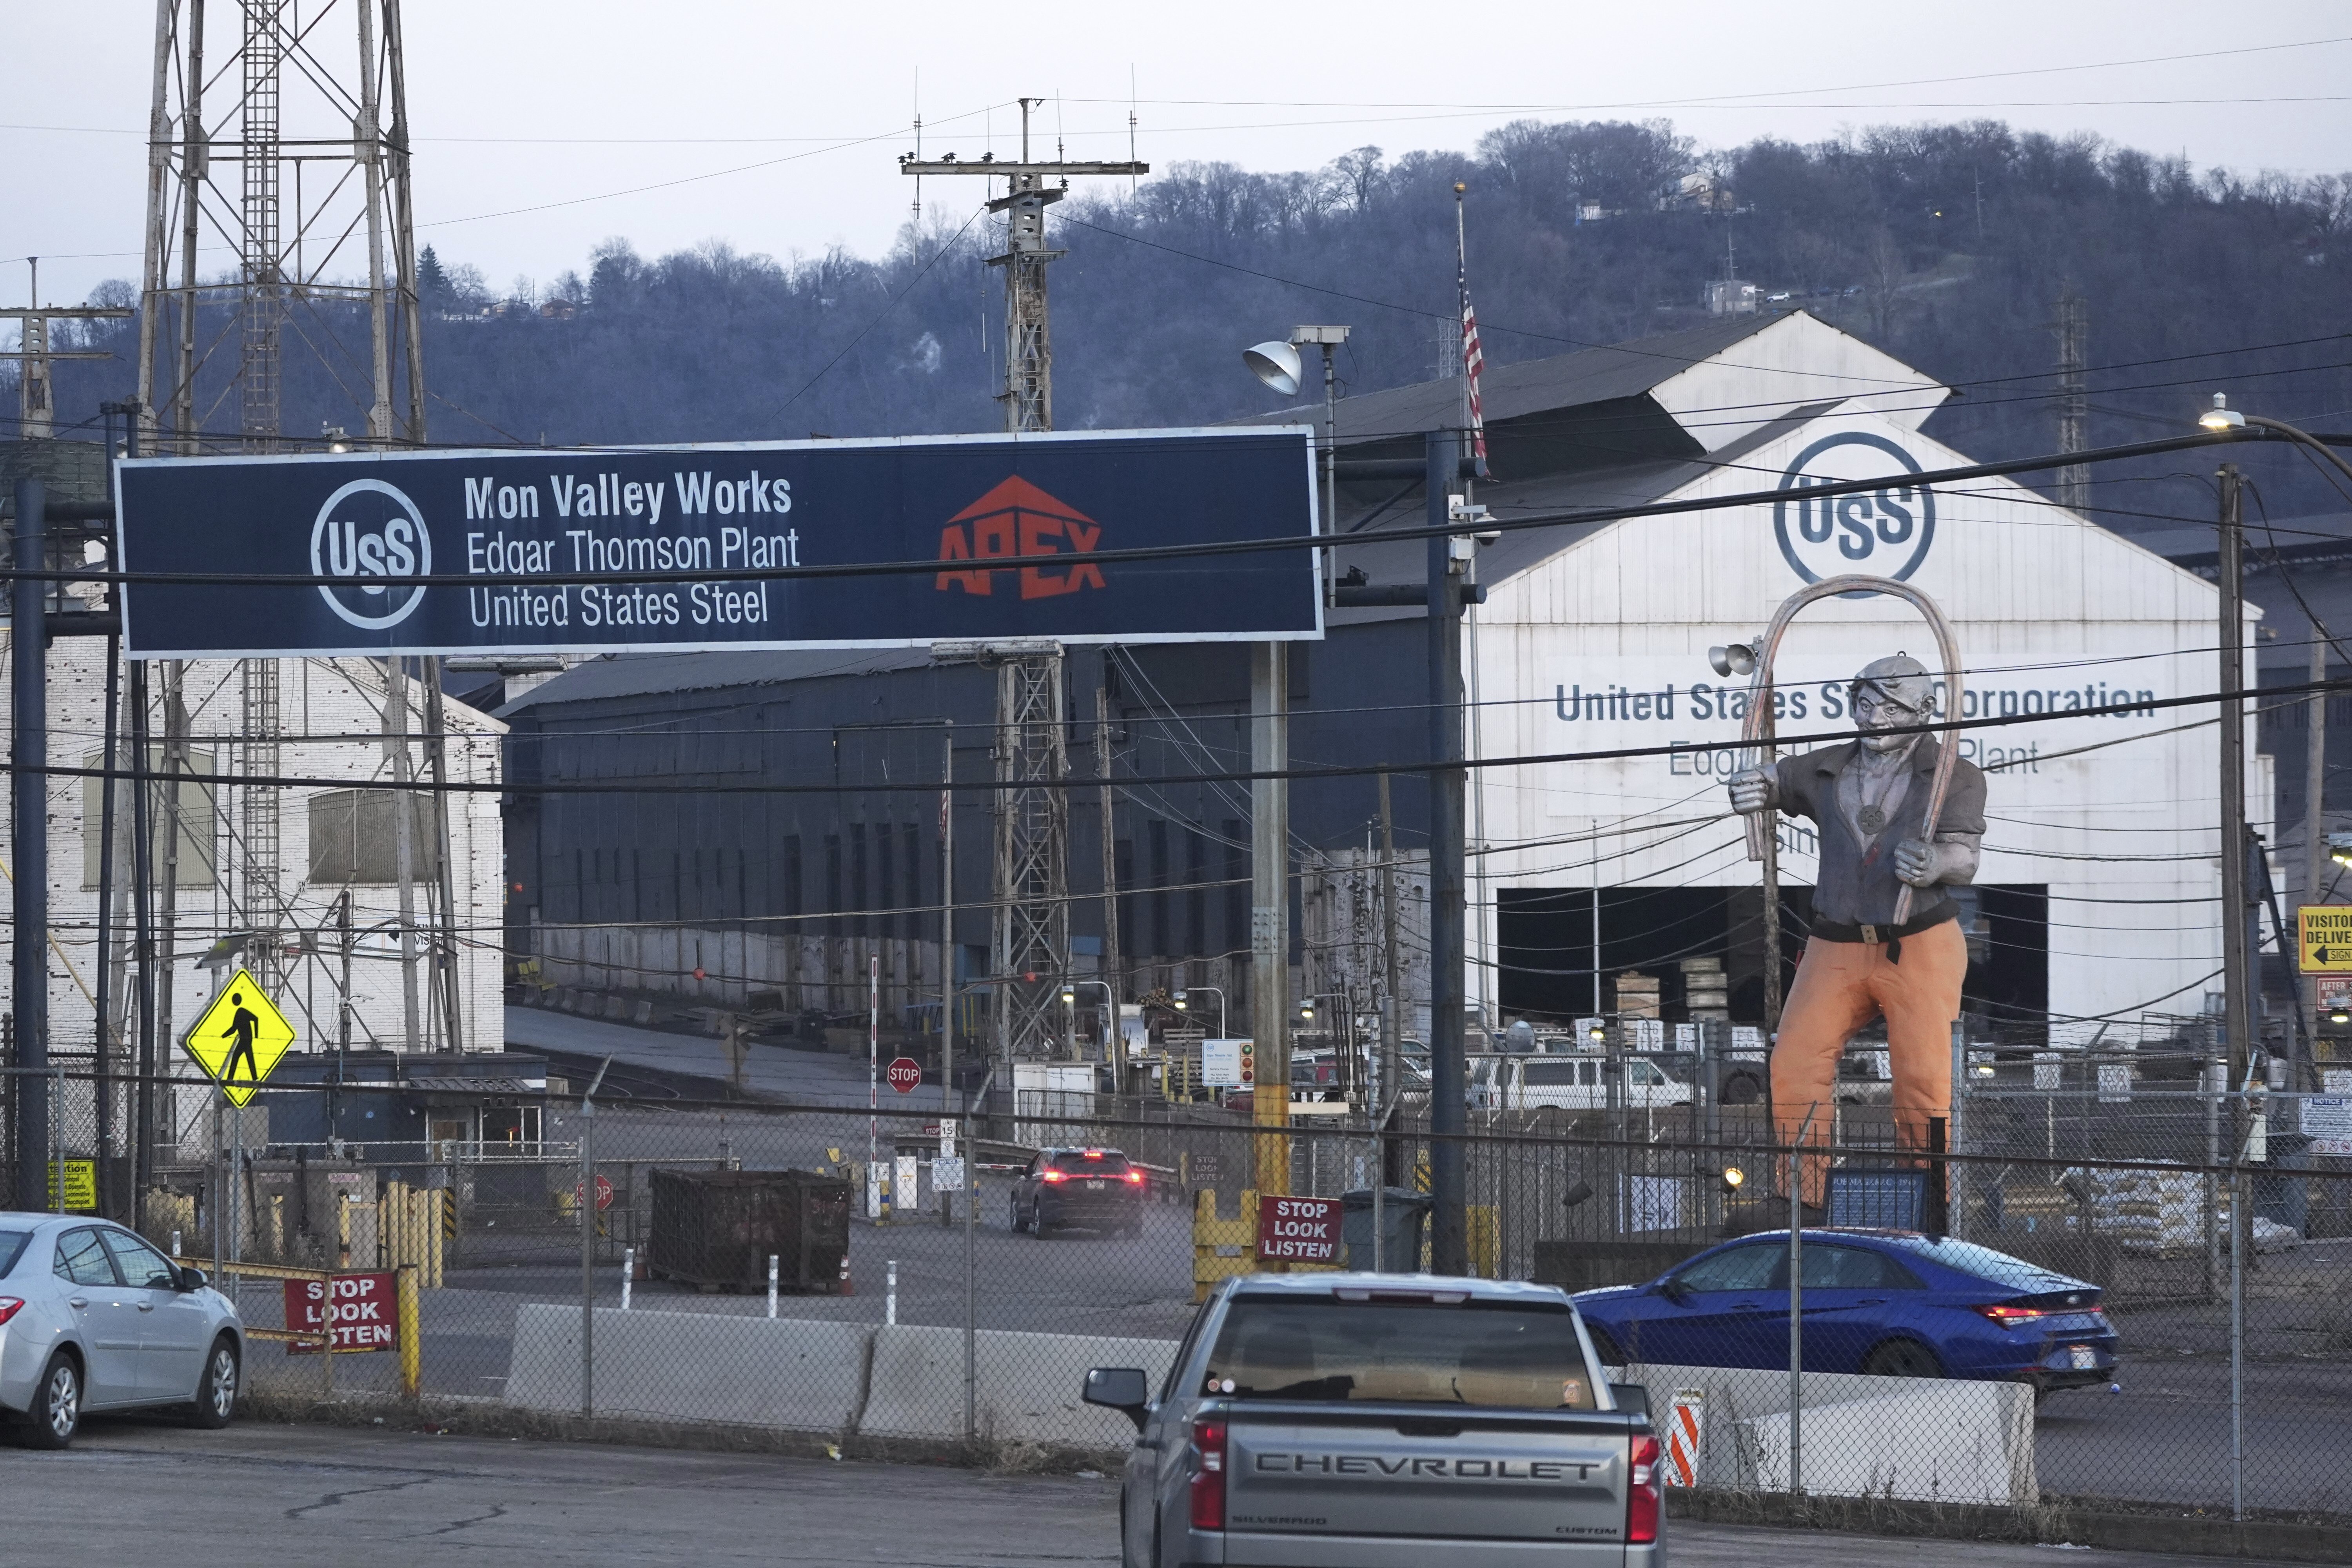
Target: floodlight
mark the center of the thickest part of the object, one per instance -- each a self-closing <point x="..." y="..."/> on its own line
<point x="1732" y="1178"/>
<point x="1277" y="365"/>
<point x="1734" y="659"/>
<point x="2221" y="416"/>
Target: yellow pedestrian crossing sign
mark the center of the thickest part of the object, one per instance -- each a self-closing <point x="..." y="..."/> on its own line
<point x="240" y="1038"/>
<point x="2325" y="931"/>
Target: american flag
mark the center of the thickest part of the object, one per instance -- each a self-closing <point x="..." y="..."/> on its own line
<point x="1474" y="359"/>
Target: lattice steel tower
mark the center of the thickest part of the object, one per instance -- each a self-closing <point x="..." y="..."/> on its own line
<point x="310" y="107"/>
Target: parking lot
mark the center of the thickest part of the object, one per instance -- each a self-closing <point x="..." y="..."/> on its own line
<point x="362" y="1498"/>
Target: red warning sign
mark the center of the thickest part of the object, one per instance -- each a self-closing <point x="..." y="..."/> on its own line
<point x="1298" y="1230"/>
<point x="362" y="1309"/>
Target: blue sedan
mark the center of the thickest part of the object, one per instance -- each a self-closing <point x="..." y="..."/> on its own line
<point x="1892" y="1303"/>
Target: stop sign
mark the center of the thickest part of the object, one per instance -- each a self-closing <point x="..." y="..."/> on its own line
<point x="905" y="1074"/>
<point x="603" y="1192"/>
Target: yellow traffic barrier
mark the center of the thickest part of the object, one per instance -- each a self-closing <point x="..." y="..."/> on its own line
<point x="411" y="1361"/>
<point x="1486" y="1242"/>
<point x="1222" y="1247"/>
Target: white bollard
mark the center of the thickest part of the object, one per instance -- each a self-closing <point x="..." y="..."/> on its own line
<point x="628" y="1274"/>
<point x="890" y="1298"/>
<point x="772" y="1284"/>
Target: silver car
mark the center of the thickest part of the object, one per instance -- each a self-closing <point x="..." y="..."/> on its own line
<point x="94" y="1317"/>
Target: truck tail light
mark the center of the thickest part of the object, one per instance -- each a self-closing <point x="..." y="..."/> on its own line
<point x="1644" y="1493"/>
<point x="10" y="1305"/>
<point x="1209" y="1473"/>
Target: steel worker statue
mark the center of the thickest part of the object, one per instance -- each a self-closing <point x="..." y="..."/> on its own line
<point x="1899" y="822"/>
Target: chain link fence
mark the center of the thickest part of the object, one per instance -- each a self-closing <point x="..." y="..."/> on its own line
<point x="2089" y="1299"/>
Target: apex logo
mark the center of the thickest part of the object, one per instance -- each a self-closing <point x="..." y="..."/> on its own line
<point x="1015" y="519"/>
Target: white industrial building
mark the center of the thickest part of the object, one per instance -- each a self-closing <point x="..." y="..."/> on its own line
<point x="2101" y="848"/>
<point x="333" y="841"/>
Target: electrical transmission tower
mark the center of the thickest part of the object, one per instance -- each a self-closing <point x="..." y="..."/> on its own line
<point x="1032" y="938"/>
<point x="280" y="136"/>
<point x="2072" y="329"/>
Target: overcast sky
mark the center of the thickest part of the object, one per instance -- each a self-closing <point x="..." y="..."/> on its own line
<point x="777" y="128"/>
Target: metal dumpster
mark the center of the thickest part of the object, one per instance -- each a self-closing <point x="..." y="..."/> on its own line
<point x="717" y="1229"/>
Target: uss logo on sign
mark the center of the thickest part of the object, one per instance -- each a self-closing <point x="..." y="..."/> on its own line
<point x="1886" y="532"/>
<point x="367" y="531"/>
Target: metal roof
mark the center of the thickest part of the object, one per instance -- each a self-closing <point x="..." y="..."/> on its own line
<point x="1398" y="561"/>
<point x="1529" y="386"/>
<point x="645" y="674"/>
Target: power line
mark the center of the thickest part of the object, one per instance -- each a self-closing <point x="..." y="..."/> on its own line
<point x="1361" y="770"/>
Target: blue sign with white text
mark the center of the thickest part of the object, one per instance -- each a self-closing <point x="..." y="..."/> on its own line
<point x="673" y="549"/>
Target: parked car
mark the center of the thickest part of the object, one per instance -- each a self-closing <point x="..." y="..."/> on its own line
<point x="1895" y="1303"/>
<point x="1082" y="1189"/>
<point x="93" y="1318"/>
<point x="1331" y="1420"/>
<point x="1577" y="1081"/>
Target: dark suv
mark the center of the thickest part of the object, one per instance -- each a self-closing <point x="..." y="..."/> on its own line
<point x="1090" y="1189"/>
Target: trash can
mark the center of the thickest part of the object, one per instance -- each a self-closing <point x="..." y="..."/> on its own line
<point x="1406" y="1215"/>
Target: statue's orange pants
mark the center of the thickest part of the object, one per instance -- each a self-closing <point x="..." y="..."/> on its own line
<point x="1840" y="988"/>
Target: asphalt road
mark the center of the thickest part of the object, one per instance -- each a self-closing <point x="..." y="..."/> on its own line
<point x="258" y="1493"/>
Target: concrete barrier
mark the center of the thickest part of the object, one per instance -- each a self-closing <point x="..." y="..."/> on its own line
<point x="1026" y="1385"/>
<point x="793" y="1373"/>
<point x="1935" y="1440"/>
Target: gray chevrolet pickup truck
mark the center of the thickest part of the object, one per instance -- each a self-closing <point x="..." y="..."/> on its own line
<point x="1385" y="1421"/>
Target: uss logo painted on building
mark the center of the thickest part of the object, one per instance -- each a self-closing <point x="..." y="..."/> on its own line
<point x="1886" y="532"/>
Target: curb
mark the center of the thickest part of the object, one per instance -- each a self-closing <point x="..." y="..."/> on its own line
<point x="2186" y="1534"/>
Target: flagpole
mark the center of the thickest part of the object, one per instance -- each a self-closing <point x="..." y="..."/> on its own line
<point x="1474" y="424"/>
<point x="1462" y="301"/>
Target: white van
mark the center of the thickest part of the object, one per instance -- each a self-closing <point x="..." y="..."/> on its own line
<point x="1569" y="1082"/>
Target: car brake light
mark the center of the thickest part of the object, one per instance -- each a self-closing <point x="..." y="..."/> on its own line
<point x="1644" y="1493"/>
<point x="1094" y="1153"/>
<point x="1135" y="1178"/>
<point x="10" y="1305"/>
<point x="1209" y="1476"/>
<point x="1054" y="1175"/>
<point x="2002" y="1313"/>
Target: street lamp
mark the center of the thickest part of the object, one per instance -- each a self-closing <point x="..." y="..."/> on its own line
<point x="1280" y="366"/>
<point x="2221" y="418"/>
<point x="1220" y="996"/>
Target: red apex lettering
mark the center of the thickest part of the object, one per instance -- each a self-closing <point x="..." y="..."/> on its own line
<point x="1012" y="520"/>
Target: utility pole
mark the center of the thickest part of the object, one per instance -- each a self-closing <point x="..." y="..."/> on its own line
<point x="1270" y="911"/>
<point x="1032" y="920"/>
<point x="2314" y="803"/>
<point x="29" y="841"/>
<point x="1386" y="1083"/>
<point x="36" y="404"/>
<point x="2073" y="328"/>
<point x="1028" y="394"/>
<point x="1448" y="1111"/>
<point x="1110" y="970"/>
<point x="2237" y="998"/>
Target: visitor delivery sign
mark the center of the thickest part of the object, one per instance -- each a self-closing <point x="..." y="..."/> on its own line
<point x="757" y="546"/>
